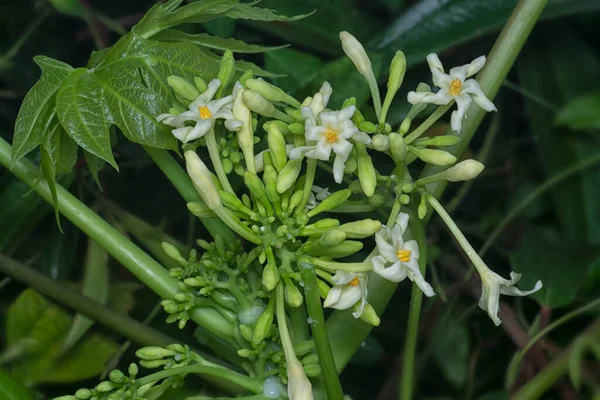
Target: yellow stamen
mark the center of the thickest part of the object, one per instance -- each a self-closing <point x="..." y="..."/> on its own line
<point x="403" y="255"/>
<point x="354" y="281"/>
<point x="331" y="135"/>
<point x="455" y="87"/>
<point x="204" y="112"/>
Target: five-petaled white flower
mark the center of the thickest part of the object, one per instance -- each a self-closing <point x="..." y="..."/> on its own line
<point x="316" y="195"/>
<point x="332" y="130"/>
<point x="203" y="111"/>
<point x="349" y="289"/>
<point x="454" y="86"/>
<point x="493" y="285"/>
<point x="404" y="256"/>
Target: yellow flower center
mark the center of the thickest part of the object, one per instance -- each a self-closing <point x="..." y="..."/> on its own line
<point x="331" y="135"/>
<point x="403" y="255"/>
<point x="455" y="87"/>
<point x="354" y="281"/>
<point x="204" y="112"/>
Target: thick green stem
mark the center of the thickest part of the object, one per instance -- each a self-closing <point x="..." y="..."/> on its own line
<point x="319" y="333"/>
<point x="223" y="373"/>
<point x="180" y="179"/>
<point x="412" y="331"/>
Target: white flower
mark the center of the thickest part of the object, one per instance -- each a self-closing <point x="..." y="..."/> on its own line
<point x="454" y="86"/>
<point x="331" y="132"/>
<point x="317" y="194"/>
<point x="404" y="256"/>
<point x="299" y="386"/>
<point x="203" y="111"/>
<point x="493" y="285"/>
<point x="349" y="289"/>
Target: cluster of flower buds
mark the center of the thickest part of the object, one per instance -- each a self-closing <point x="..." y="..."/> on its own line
<point x="118" y="387"/>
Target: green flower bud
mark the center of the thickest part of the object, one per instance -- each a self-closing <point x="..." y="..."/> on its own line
<point x="246" y="332"/>
<point x="351" y="165"/>
<point x="302" y="348"/>
<point x="350" y="101"/>
<point x="323" y="288"/>
<point x="258" y="104"/>
<point x="380" y="142"/>
<point x="376" y="200"/>
<point x="264" y="323"/>
<point x="355" y="187"/>
<point x="361" y="229"/>
<point x="154" y="353"/>
<point x="270" y="277"/>
<point x="330" y="202"/>
<point x="69" y="397"/>
<point x="397" y="147"/>
<point x="248" y="74"/>
<point x="200" y="84"/>
<point x="333" y="237"/>
<point x="271" y="92"/>
<point x="178" y="348"/>
<point x="404" y="199"/>
<point x="463" y="171"/>
<point x="245" y="353"/>
<point x="227" y="165"/>
<point x="288" y="175"/>
<point x="367" y="127"/>
<point x="245" y="134"/>
<point x="422" y="210"/>
<point x="405" y="126"/>
<point x="366" y="171"/>
<point x="171" y="251"/>
<point x="293" y="297"/>
<point x="319" y="227"/>
<point x="310" y="359"/>
<point x="283" y="127"/>
<point x="200" y="210"/>
<point x="271" y="189"/>
<point x="195" y="282"/>
<point x="255" y="185"/>
<point x="226" y="72"/>
<point x="202" y="180"/>
<point x="407" y="187"/>
<point x="312" y="370"/>
<point x="296" y="128"/>
<point x="183" y="88"/>
<point x="83" y="394"/>
<point x="276" y="143"/>
<point x="105" y="387"/>
<point x="345" y="249"/>
<point x="356" y="52"/>
<point x="436" y="157"/>
<point x="232" y="202"/>
<point x="440" y="141"/>
<point x="133" y="369"/>
<point x="295" y="200"/>
<point x="397" y="72"/>
<point x="116" y="376"/>
<point x="153" y="363"/>
<point x="369" y="315"/>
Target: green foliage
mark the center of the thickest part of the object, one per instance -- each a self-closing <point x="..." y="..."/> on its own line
<point x="581" y="113"/>
<point x="11" y="389"/>
<point x="451" y="349"/>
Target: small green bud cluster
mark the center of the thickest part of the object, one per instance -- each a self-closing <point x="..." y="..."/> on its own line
<point x="174" y="355"/>
<point x="118" y="387"/>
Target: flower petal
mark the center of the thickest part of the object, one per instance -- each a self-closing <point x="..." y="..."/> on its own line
<point x="413" y="246"/>
<point x="329" y="119"/>
<point x="181" y="133"/>
<point x="440" y="79"/>
<point x="333" y="296"/>
<point x="434" y="62"/>
<point x="472" y="87"/>
<point x="361" y="137"/>
<point x="463" y="101"/>
<point x="309" y="116"/>
<point x="326" y="91"/>
<point x="233" y="124"/>
<point x="339" y="165"/>
<point x="299" y="152"/>
<point x="347" y="113"/>
<point x="394" y="273"/>
<point x="441" y="98"/>
<point x="342" y="148"/>
<point x="200" y="129"/>
<point x="321" y="151"/>
<point x="314" y="132"/>
<point x="460" y="73"/>
<point x="385" y="249"/>
<point x="402" y="221"/>
<point x="476" y="66"/>
<point x="415" y="275"/>
<point x="350" y="296"/>
<point x="342" y="277"/>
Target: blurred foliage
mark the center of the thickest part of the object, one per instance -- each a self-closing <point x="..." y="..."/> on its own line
<point x="549" y="122"/>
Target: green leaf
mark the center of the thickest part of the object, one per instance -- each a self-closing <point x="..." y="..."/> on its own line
<point x="11" y="389"/>
<point x="23" y="314"/>
<point x="432" y="26"/>
<point x="212" y="42"/>
<point x="95" y="165"/>
<point x="222" y="27"/>
<point x="549" y="69"/>
<point x="450" y="343"/>
<point x="84" y="360"/>
<point x="73" y="8"/>
<point x="297" y="67"/>
<point x="38" y="106"/>
<point x="581" y="113"/>
<point x="248" y="11"/>
<point x="543" y="256"/>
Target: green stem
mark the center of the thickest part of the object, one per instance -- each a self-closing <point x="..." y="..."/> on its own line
<point x="223" y="373"/>
<point x="284" y="333"/>
<point x="311" y="169"/>
<point x="437" y="114"/>
<point x="180" y="179"/>
<point x="338" y="266"/>
<point x="213" y="152"/>
<point x="319" y="334"/>
<point x="416" y="298"/>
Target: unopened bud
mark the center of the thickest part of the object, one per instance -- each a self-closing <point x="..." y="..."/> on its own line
<point x="397" y="147"/>
<point x="369" y="315"/>
<point x="83" y="394"/>
<point x="154" y="353"/>
<point x="183" y="88"/>
<point x="431" y="156"/>
<point x="200" y="85"/>
<point x="405" y="126"/>
<point x="202" y="180"/>
<point x="323" y="289"/>
<point x="133" y="369"/>
<point x="367" y="127"/>
<point x="271" y="92"/>
<point x="296" y="128"/>
<point x="376" y="200"/>
<point x="116" y="376"/>
<point x="463" y="171"/>
<point x="288" y="175"/>
<point x="380" y="142"/>
<point x="276" y="143"/>
<point x="245" y="353"/>
<point x="440" y="141"/>
<point x="171" y="251"/>
<point x="361" y="229"/>
<point x="293" y="297"/>
<point x="356" y="52"/>
<point x="397" y="71"/>
<point x="345" y="249"/>
<point x="270" y="277"/>
<point x="264" y="323"/>
<point x="200" y="210"/>
<point x="422" y="210"/>
<point x="404" y="199"/>
<point x="295" y="200"/>
<point x="245" y="133"/>
<point x="332" y="238"/>
<point x="105" y="386"/>
<point x="302" y="348"/>
<point x="330" y="202"/>
<point x="299" y="387"/>
<point x="258" y="104"/>
<point x="246" y="332"/>
<point x="248" y="74"/>
<point x="312" y="370"/>
<point x="226" y="72"/>
<point x="366" y="171"/>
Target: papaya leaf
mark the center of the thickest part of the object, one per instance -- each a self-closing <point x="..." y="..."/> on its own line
<point x="247" y="11"/>
<point x="11" y="389"/>
<point x="95" y="165"/>
<point x="23" y="314"/>
<point x="38" y="107"/>
<point x="213" y="42"/>
<point x="49" y="152"/>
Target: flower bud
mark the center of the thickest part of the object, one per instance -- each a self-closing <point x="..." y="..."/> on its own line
<point x="264" y="323"/>
<point x="319" y="227"/>
<point x="296" y="128"/>
<point x="345" y="249"/>
<point x="405" y="126"/>
<point x="356" y="52"/>
<point x="258" y="104"/>
<point x="310" y="359"/>
<point x="361" y="229"/>
<point x="295" y="200"/>
<point x="376" y="200"/>
<point x="397" y="71"/>
<point x="440" y="141"/>
<point x="116" y="376"/>
<point x="202" y="180"/>
<point x="195" y="282"/>
<point x="171" y="251"/>
<point x="288" y="175"/>
<point x="133" y="369"/>
<point x="431" y="156"/>
<point x="245" y="353"/>
<point x="255" y="185"/>
<point x="270" y="277"/>
<point x="248" y="74"/>
<point x="293" y="297"/>
<point x="283" y="127"/>
<point x="299" y="387"/>
<point x="200" y="85"/>
<point x="312" y="370"/>
<point x="332" y="238"/>
<point x="232" y="202"/>
<point x="83" y="394"/>
<point x="404" y="199"/>
<point x="200" y="210"/>
<point x="226" y="72"/>
<point x="422" y="210"/>
<point x="366" y="171"/>
<point x="154" y="353"/>
<point x="271" y="92"/>
<point x="367" y="127"/>
<point x="277" y="147"/>
<point x="330" y="202"/>
<point x="105" y="386"/>
<point x="323" y="289"/>
<point x="183" y="88"/>
<point x="397" y="147"/>
<point x="369" y="315"/>
<point x="351" y="165"/>
<point x="246" y="332"/>
<point x="245" y="134"/>
<point x="380" y="142"/>
<point x="463" y="171"/>
<point x="302" y="348"/>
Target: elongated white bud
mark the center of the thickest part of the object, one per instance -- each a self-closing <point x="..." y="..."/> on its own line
<point x="202" y="180"/>
<point x="463" y="171"/>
